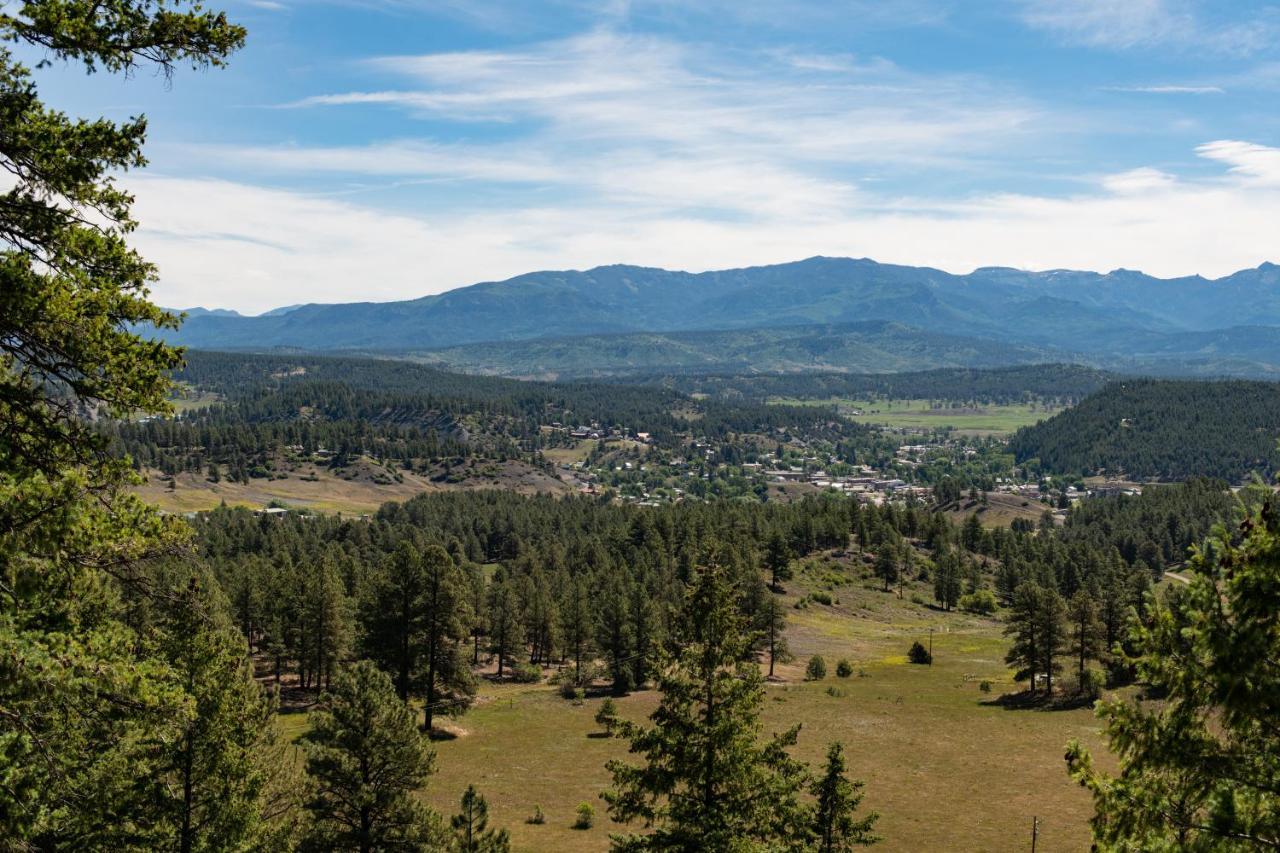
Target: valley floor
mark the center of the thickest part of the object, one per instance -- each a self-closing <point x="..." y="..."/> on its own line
<point x="945" y="765"/>
<point x="363" y="489"/>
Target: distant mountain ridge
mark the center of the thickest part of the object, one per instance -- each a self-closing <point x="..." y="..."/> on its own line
<point x="1105" y="316"/>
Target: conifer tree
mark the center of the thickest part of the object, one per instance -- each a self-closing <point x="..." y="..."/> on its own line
<point x="614" y="629"/>
<point x="886" y="565"/>
<point x="835" y="827"/>
<point x="478" y="607"/>
<point x="505" y="624"/>
<point x="448" y="684"/>
<point x="946" y="579"/>
<point x="393" y="618"/>
<point x="708" y="781"/>
<point x="1085" y="633"/>
<point x="578" y="621"/>
<point x="471" y="832"/>
<point x="84" y="699"/>
<point x="777" y="559"/>
<point x="1036" y="623"/>
<point x="774" y="624"/>
<point x="224" y="783"/>
<point x="328" y="621"/>
<point x="366" y="759"/>
<point x="1199" y="769"/>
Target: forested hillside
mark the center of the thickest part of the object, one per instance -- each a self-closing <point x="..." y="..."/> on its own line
<point x="251" y="408"/>
<point x="1162" y="429"/>
<point x="1061" y="383"/>
<point x="863" y="346"/>
<point x="918" y="318"/>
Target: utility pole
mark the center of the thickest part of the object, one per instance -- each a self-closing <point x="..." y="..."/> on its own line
<point x="1035" y="832"/>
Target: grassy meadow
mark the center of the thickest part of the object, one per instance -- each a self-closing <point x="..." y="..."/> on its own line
<point x="922" y="414"/>
<point x="946" y="766"/>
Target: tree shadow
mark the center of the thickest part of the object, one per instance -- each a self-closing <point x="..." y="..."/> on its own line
<point x="1027" y="701"/>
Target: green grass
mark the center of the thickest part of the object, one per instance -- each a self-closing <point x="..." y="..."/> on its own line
<point x="921" y="414"/>
<point x="945" y="769"/>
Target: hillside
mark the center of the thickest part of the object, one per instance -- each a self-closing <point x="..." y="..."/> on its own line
<point x="1066" y="383"/>
<point x="1122" y="317"/>
<point x="1162" y="429"/>
<point x="857" y="347"/>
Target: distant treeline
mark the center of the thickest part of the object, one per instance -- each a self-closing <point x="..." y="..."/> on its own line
<point x="1162" y="429"/>
<point x="1062" y="383"/>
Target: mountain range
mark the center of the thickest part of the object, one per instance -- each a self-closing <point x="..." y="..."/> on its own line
<point x="820" y="313"/>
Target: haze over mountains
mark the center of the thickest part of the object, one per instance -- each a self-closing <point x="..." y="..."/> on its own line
<point x="817" y="314"/>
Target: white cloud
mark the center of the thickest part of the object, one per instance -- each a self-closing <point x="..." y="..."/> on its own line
<point x="1249" y="161"/>
<point x="1141" y="180"/>
<point x="613" y="118"/>
<point x="1146" y="23"/>
<point x="604" y="88"/>
<point x="252" y="248"/>
<point x="1170" y="90"/>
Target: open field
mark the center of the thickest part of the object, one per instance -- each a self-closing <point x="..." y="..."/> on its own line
<point x="365" y="488"/>
<point x="1001" y="510"/>
<point x="921" y="414"/>
<point x="946" y="768"/>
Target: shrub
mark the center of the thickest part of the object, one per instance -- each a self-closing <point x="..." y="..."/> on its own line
<point x="983" y="601"/>
<point x="607" y="716"/>
<point x="526" y="673"/>
<point x="836" y="692"/>
<point x="816" y="670"/>
<point x="568" y="690"/>
<point x="844" y="669"/>
<point x="537" y="817"/>
<point x="1091" y="685"/>
<point x="821" y="597"/>
<point x="984" y="686"/>
<point x="919" y="654"/>
<point x="586" y="816"/>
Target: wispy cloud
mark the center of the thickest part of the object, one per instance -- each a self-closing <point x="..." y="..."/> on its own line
<point x="1169" y="90"/>
<point x="254" y="248"/>
<point x="1246" y="160"/>
<point x="1150" y="23"/>
<point x="638" y="119"/>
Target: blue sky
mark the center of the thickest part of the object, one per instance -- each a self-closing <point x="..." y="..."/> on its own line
<point x="385" y="149"/>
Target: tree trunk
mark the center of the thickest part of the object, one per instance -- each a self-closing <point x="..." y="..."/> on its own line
<point x="185" y="840"/>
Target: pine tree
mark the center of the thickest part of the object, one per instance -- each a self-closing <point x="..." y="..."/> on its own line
<point x="224" y="782"/>
<point x="1198" y="770"/>
<point x="447" y="676"/>
<point x="393" y="618"/>
<point x="837" y="799"/>
<point x="773" y="625"/>
<point x="505" y="624"/>
<point x="578" y="621"/>
<point x="946" y="579"/>
<point x="777" y="559"/>
<point x="328" y="621"/>
<point x="478" y="604"/>
<point x="614" y="632"/>
<point x="366" y="759"/>
<point x="1086" y="632"/>
<point x="708" y="782"/>
<point x="886" y="565"/>
<point x="1036" y="623"/>
<point x="471" y="833"/>
<point x="84" y="699"/>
